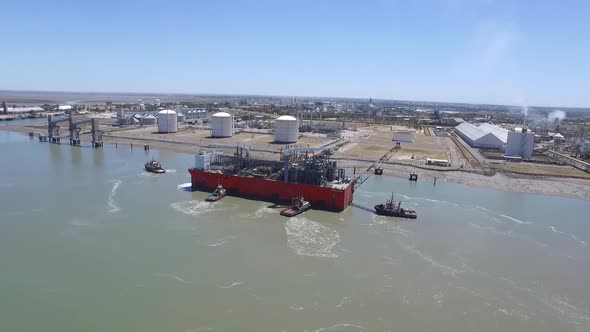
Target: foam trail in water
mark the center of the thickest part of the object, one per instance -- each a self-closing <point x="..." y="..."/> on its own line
<point x="296" y="308"/>
<point x="232" y="285"/>
<point x="264" y="210"/>
<point x="391" y="260"/>
<point x="445" y="269"/>
<point x="200" y="329"/>
<point x="425" y="199"/>
<point x="194" y="208"/>
<point x="344" y="301"/>
<point x="172" y="276"/>
<point x="516" y="220"/>
<point x="80" y="223"/>
<point x="493" y="230"/>
<point x="184" y="185"/>
<point x="578" y="317"/>
<point x="339" y="326"/>
<point x="482" y="208"/>
<point x="113" y="207"/>
<point x="575" y="238"/>
<point x="221" y="241"/>
<point x="397" y="229"/>
<point x="309" y="238"/>
<point x="149" y="175"/>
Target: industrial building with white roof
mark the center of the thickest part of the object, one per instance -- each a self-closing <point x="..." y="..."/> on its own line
<point x="483" y="136"/>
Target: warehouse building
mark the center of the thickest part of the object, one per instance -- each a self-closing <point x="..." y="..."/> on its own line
<point x="487" y="136"/>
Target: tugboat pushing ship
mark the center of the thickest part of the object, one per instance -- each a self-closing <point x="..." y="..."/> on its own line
<point x="298" y="206"/>
<point x="218" y="194"/>
<point x="305" y="172"/>
<point x="154" y="166"/>
<point x="391" y="209"/>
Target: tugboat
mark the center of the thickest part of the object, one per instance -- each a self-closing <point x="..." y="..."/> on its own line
<point x="154" y="167"/>
<point x="298" y="206"/>
<point x="391" y="209"/>
<point x="218" y="194"/>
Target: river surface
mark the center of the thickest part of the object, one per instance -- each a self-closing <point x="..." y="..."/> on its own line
<point x="91" y="242"/>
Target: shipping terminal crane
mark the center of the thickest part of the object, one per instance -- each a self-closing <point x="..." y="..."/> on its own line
<point x="54" y="135"/>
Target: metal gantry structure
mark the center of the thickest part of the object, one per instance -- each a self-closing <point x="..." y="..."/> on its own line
<point x="54" y="136"/>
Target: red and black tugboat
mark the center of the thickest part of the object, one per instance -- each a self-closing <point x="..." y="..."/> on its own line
<point x="391" y="209"/>
<point x="298" y="206"/>
<point x="154" y="167"/>
<point x="218" y="194"/>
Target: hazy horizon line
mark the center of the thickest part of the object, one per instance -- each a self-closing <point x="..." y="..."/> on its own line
<point x="286" y="96"/>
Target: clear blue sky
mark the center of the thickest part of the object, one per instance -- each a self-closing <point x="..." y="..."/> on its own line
<point x="485" y="51"/>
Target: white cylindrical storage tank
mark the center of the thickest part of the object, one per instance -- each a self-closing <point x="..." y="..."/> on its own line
<point x="221" y="125"/>
<point x="286" y="129"/>
<point x="167" y="121"/>
<point x="148" y="120"/>
<point x="180" y="117"/>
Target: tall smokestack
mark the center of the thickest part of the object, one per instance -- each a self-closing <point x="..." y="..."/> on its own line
<point x="4" y="108"/>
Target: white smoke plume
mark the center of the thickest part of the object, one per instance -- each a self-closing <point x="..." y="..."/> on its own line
<point x="556" y="116"/>
<point x="520" y="100"/>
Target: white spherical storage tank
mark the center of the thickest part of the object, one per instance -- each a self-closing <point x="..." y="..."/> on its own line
<point x="221" y="125"/>
<point x="286" y="129"/>
<point x="167" y="121"/>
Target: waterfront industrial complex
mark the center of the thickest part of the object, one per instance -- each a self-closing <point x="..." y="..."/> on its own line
<point x="358" y="135"/>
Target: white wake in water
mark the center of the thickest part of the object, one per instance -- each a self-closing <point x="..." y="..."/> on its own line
<point x="195" y="208"/>
<point x="443" y="268"/>
<point x="575" y="238"/>
<point x="309" y="238"/>
<point x="113" y="207"/>
<point x="184" y="186"/>
<point x="296" y="308"/>
<point x="232" y="285"/>
<point x="172" y="276"/>
<point x="515" y="220"/>
<point x="264" y="210"/>
<point x="342" y="327"/>
<point x="425" y="199"/>
<point x="221" y="241"/>
<point x="80" y="223"/>
<point x="345" y="300"/>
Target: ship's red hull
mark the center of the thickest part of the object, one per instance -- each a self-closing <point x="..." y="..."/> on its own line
<point x="273" y="191"/>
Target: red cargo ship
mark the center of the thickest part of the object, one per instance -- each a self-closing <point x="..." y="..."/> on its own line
<point x="315" y="177"/>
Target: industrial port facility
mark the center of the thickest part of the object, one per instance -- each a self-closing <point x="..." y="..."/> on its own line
<point x="395" y="137"/>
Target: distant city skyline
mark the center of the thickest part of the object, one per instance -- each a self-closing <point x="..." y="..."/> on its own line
<point x="458" y="51"/>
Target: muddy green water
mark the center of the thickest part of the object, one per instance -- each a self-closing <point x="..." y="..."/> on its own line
<point x="90" y="242"/>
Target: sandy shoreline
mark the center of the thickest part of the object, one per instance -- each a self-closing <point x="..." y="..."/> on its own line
<point x="503" y="181"/>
